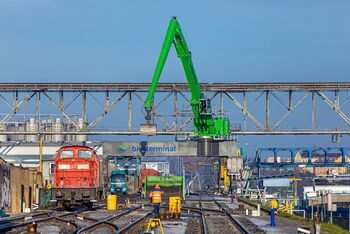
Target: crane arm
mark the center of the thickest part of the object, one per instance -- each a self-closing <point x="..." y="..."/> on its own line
<point x="174" y="36"/>
<point x="205" y="124"/>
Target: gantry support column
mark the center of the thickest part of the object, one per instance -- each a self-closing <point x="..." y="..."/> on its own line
<point x="267" y="107"/>
<point x="313" y="111"/>
<point x="175" y="110"/>
<point x="60" y="104"/>
<point x="83" y="111"/>
<point x="129" y="112"/>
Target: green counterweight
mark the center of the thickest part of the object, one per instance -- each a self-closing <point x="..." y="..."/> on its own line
<point x="205" y="124"/>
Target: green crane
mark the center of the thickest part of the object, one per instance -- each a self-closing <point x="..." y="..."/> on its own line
<point x="205" y="123"/>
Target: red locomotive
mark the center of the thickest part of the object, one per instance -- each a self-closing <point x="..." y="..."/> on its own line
<point x="76" y="177"/>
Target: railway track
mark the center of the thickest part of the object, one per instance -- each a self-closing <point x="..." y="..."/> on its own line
<point x="124" y="221"/>
<point x="57" y="220"/>
<point x="79" y="220"/>
<point x="204" y="215"/>
<point x="47" y="225"/>
<point x="119" y="223"/>
<point x="100" y="227"/>
<point x="241" y="216"/>
<point x="215" y="218"/>
<point x="6" y="224"/>
<point x="218" y="220"/>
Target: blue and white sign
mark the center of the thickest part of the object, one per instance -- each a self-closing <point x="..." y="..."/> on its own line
<point x="159" y="148"/>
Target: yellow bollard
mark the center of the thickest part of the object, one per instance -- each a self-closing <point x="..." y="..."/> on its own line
<point x="111" y="202"/>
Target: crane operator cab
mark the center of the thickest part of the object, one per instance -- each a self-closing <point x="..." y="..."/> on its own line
<point x="205" y="107"/>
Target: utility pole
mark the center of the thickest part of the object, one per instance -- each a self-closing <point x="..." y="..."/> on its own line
<point x="41" y="153"/>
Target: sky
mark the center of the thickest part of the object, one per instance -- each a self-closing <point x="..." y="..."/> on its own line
<point x="119" y="41"/>
<point x="230" y="41"/>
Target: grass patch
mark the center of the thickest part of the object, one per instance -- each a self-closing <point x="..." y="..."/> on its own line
<point x="325" y="227"/>
<point x="333" y="229"/>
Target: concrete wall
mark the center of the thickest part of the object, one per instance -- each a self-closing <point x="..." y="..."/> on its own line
<point x="14" y="179"/>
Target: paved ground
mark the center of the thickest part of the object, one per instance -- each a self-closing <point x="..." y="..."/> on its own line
<point x="175" y="227"/>
<point x="233" y="206"/>
<point x="283" y="225"/>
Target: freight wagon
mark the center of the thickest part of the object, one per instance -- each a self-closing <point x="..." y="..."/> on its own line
<point x="76" y="177"/>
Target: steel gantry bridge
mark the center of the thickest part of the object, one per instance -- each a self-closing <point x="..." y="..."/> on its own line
<point x="117" y="108"/>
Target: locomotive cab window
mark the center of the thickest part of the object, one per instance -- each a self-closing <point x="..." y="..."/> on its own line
<point x="84" y="154"/>
<point x="66" y="154"/>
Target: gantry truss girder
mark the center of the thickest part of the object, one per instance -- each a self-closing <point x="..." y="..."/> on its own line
<point x="254" y="108"/>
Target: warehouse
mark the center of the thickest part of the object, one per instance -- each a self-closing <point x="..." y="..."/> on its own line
<point x="19" y="187"/>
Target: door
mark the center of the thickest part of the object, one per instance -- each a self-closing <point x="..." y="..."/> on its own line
<point x="22" y="198"/>
<point x="30" y="197"/>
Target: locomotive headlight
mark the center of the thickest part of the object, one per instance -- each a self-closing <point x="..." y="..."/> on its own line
<point x="84" y="182"/>
<point x="83" y="166"/>
<point x="62" y="182"/>
<point x="63" y="166"/>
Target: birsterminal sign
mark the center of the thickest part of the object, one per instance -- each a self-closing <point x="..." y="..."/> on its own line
<point x="159" y="148"/>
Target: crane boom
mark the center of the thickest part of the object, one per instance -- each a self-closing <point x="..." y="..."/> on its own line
<point x="174" y="35"/>
<point x="204" y="122"/>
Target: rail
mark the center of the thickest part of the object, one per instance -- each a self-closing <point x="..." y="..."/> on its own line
<point x="51" y="218"/>
<point x="9" y="223"/>
<point x="162" y="87"/>
<point x="222" y="210"/>
<point x="96" y="225"/>
<point x="137" y="221"/>
<point x="232" y="219"/>
<point x="204" y="224"/>
<point x="107" y="220"/>
<point x="24" y="217"/>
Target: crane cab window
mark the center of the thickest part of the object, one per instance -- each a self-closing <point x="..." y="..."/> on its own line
<point x="84" y="154"/>
<point x="66" y="154"/>
<point x="204" y="106"/>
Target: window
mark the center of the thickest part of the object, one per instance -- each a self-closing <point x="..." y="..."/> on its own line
<point x="118" y="177"/>
<point x="84" y="154"/>
<point x="51" y="169"/>
<point x="66" y="154"/>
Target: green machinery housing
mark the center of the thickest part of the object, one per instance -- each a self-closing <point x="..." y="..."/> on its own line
<point x="206" y="124"/>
